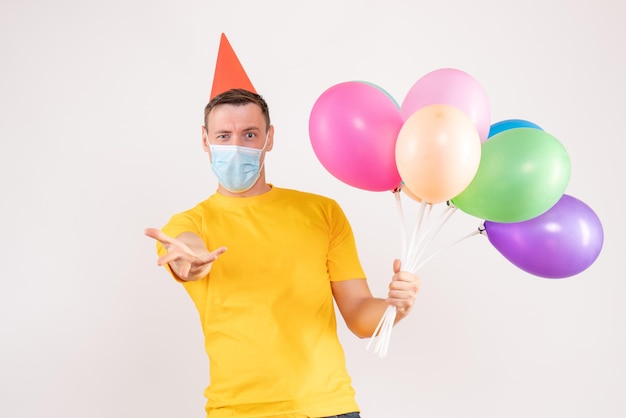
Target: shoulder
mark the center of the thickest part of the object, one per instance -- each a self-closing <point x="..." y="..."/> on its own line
<point x="194" y="212"/>
<point x="312" y="203"/>
<point x="306" y="196"/>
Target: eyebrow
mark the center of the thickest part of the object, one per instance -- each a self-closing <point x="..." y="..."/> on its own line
<point x="248" y="129"/>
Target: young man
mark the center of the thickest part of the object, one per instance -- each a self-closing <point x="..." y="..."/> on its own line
<point x="263" y="265"/>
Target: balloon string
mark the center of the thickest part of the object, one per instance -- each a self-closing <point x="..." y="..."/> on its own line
<point x="376" y="331"/>
<point x="382" y="334"/>
<point x="416" y="238"/>
<point x="419" y="247"/>
<point x="396" y="193"/>
<point x="443" y="219"/>
<point x="418" y="244"/>
<point x="476" y="232"/>
<point x="388" y="327"/>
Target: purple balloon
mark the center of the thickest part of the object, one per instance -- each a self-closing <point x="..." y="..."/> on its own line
<point x="561" y="242"/>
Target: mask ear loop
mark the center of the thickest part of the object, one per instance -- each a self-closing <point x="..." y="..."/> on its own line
<point x="261" y="165"/>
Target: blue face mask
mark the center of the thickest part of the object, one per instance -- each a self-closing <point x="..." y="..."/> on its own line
<point x="236" y="168"/>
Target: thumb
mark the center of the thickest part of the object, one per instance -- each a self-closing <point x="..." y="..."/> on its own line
<point x="212" y="256"/>
<point x="396" y="265"/>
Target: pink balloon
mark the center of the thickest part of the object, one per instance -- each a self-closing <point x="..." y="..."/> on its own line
<point x="353" y="128"/>
<point x="451" y="87"/>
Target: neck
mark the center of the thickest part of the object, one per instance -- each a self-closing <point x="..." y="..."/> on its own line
<point x="259" y="188"/>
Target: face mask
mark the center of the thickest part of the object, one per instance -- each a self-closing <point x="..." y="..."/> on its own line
<point x="236" y="168"/>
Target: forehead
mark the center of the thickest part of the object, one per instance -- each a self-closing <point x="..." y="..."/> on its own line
<point x="230" y="117"/>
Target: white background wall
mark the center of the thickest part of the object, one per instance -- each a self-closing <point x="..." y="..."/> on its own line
<point x="100" y="112"/>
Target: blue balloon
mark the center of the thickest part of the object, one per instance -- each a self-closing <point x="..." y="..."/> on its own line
<point x="511" y="124"/>
<point x="383" y="90"/>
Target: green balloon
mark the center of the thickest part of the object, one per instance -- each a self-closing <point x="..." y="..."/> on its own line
<point x="523" y="172"/>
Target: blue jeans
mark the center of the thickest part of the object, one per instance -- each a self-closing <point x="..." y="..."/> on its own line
<point x="348" y="415"/>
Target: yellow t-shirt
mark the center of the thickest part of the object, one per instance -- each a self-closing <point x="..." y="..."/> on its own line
<point x="266" y="307"/>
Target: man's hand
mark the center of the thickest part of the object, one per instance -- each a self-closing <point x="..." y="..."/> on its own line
<point x="403" y="289"/>
<point x="186" y="255"/>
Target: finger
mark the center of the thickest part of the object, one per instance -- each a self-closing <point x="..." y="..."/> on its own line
<point x="184" y="270"/>
<point x="169" y="257"/>
<point x="212" y="256"/>
<point x="399" y="288"/>
<point x="219" y="251"/>
<point x="409" y="292"/>
<point x="402" y="305"/>
<point x="396" y="265"/>
<point x="405" y="277"/>
<point x="167" y="241"/>
<point x="150" y="231"/>
<point x="401" y="309"/>
<point x="401" y="294"/>
<point x="158" y="235"/>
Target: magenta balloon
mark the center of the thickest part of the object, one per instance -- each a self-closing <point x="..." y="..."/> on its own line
<point x="451" y="87"/>
<point x="559" y="243"/>
<point x="353" y="129"/>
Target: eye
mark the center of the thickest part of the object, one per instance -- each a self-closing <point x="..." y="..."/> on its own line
<point x="250" y="135"/>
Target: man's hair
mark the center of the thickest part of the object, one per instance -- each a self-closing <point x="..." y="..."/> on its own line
<point x="237" y="97"/>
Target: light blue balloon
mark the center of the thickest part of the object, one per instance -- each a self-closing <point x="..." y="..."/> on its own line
<point x="383" y="90"/>
<point x="507" y="124"/>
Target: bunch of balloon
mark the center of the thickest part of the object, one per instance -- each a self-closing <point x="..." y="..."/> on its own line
<point x="446" y="117"/>
<point x="519" y="192"/>
<point x="440" y="148"/>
